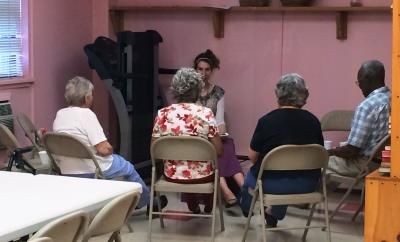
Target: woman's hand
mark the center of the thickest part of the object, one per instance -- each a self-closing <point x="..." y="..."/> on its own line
<point x="217" y="142"/>
<point x="222" y="128"/>
<point x="104" y="148"/>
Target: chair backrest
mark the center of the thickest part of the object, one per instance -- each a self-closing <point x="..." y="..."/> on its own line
<point x="376" y="152"/>
<point x="183" y="148"/>
<point x="337" y="120"/>
<point x="42" y="239"/>
<point x="113" y="215"/>
<point x="65" y="229"/>
<point x="295" y="157"/>
<point x="30" y="130"/>
<point x="8" y="139"/>
<point x="61" y="144"/>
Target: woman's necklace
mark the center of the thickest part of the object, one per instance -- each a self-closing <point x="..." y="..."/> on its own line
<point x="206" y="90"/>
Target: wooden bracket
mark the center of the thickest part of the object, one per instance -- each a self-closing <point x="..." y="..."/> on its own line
<point x="341" y="25"/>
<point x="218" y="23"/>
<point x="117" y="20"/>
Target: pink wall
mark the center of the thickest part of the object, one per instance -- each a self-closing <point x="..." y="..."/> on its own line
<point x="259" y="47"/>
<point x="58" y="31"/>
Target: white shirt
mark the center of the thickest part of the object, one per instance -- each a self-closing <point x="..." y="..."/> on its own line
<point x="83" y="124"/>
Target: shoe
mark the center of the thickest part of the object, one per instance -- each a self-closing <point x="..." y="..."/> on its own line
<point x="231" y="203"/>
<point x="163" y="203"/>
<point x="208" y="209"/>
<point x="196" y="210"/>
<point x="271" y="221"/>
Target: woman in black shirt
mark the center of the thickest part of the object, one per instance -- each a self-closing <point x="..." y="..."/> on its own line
<point x="289" y="124"/>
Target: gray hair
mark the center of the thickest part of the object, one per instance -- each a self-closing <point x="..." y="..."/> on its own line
<point x="76" y="90"/>
<point x="186" y="85"/>
<point x="291" y="90"/>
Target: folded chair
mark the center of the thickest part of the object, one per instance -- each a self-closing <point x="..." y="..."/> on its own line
<point x="16" y="153"/>
<point x="291" y="157"/>
<point x="68" y="228"/>
<point x="30" y="131"/>
<point x="60" y="144"/>
<point x="359" y="178"/>
<point x="184" y="148"/>
<point x="112" y="217"/>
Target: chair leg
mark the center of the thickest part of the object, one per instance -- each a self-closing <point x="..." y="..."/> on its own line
<point x="361" y="205"/>
<point x="343" y="198"/>
<point x="221" y="210"/>
<point x="264" y="232"/>
<point x="151" y="205"/>
<point x="129" y="227"/>
<point x="327" y="219"/>
<point x="310" y="216"/>
<point x="246" y="229"/>
<point x="160" y="210"/>
<point x="214" y="213"/>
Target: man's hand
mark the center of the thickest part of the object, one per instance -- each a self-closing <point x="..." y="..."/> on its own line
<point x="345" y="152"/>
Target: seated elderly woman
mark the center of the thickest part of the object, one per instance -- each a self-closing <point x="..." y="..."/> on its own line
<point x="78" y="120"/>
<point x="289" y="124"/>
<point x="190" y="119"/>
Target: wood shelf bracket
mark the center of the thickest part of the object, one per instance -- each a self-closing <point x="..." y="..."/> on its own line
<point x="218" y="23"/>
<point x="117" y="20"/>
<point x="341" y="25"/>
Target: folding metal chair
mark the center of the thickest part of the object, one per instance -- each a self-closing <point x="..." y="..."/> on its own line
<point x="67" y="228"/>
<point x="31" y="132"/>
<point x="184" y="148"/>
<point x="354" y="181"/>
<point x="112" y="217"/>
<point x="17" y="153"/>
<point x="61" y="144"/>
<point x="291" y="157"/>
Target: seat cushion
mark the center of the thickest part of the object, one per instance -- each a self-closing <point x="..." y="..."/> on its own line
<point x="165" y="186"/>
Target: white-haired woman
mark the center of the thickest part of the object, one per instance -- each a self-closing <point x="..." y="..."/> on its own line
<point x="289" y="124"/>
<point x="190" y="119"/>
<point x="80" y="121"/>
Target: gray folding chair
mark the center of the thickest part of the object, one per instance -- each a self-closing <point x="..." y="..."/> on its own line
<point x="291" y="157"/>
<point x="340" y="120"/>
<point x="359" y="178"/>
<point x="67" y="228"/>
<point x="112" y="217"/>
<point x="337" y="120"/>
<point x="17" y="154"/>
<point x="31" y="132"/>
<point x="61" y="144"/>
<point x="184" y="148"/>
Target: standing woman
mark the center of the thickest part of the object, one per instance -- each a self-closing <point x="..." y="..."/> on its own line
<point x="212" y="96"/>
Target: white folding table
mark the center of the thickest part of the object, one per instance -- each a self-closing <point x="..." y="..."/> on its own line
<point x="28" y="202"/>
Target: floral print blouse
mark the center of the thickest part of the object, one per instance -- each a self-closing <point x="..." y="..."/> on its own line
<point x="186" y="119"/>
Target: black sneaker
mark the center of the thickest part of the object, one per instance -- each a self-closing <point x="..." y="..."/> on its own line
<point x="271" y="221"/>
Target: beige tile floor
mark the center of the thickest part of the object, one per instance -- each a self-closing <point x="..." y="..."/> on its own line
<point x="198" y="229"/>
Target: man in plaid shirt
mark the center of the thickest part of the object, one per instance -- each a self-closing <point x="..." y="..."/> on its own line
<point x="370" y="122"/>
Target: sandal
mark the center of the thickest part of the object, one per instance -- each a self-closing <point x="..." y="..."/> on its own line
<point x="231" y="202"/>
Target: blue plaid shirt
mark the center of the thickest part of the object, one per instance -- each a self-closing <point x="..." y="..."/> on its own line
<point x="371" y="121"/>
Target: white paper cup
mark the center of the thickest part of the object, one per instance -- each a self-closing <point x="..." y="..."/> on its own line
<point x="44" y="157"/>
<point x="344" y="143"/>
<point x="328" y="144"/>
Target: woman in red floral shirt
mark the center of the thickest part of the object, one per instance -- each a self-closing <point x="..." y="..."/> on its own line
<point x="187" y="118"/>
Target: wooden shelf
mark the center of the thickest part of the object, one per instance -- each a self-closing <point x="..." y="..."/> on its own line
<point x="117" y="14"/>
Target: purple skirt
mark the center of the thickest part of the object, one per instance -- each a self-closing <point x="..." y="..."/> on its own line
<point x="228" y="164"/>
